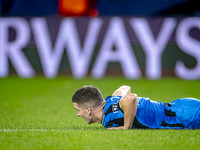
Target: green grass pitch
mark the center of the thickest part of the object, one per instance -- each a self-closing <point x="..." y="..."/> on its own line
<point x="38" y="114"/>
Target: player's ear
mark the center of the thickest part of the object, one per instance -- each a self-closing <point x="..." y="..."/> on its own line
<point x="88" y="110"/>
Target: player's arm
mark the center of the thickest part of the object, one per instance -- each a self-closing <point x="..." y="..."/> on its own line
<point x="128" y="104"/>
<point x="122" y="91"/>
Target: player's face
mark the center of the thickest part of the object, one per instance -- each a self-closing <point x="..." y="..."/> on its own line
<point x="83" y="113"/>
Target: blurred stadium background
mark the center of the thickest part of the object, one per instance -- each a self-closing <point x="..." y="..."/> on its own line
<point x="99" y="7"/>
<point x="131" y="38"/>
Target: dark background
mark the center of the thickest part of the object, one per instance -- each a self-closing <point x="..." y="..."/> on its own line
<point x="103" y="7"/>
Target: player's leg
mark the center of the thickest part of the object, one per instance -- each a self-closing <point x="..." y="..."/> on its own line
<point x="196" y="122"/>
<point x="188" y="112"/>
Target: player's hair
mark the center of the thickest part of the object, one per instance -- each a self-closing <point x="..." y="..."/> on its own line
<point x="88" y="96"/>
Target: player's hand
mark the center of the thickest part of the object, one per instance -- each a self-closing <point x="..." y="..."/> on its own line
<point x="117" y="128"/>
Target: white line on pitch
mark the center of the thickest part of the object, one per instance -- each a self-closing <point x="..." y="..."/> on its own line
<point x="2" y="130"/>
<point x="12" y="130"/>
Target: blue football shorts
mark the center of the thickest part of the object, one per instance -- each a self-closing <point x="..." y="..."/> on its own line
<point x="188" y="112"/>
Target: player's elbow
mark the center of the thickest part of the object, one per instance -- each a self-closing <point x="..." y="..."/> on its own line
<point x="125" y="87"/>
<point x="122" y="91"/>
<point x="132" y="98"/>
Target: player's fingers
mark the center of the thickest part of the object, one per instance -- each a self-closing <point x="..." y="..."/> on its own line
<point x="111" y="128"/>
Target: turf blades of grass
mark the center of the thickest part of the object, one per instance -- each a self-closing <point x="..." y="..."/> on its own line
<point x="38" y="114"/>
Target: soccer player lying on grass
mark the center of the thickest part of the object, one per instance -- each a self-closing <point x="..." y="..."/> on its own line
<point x="124" y="110"/>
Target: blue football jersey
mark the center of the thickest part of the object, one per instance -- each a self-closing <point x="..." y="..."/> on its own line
<point x="154" y="115"/>
<point x="113" y="115"/>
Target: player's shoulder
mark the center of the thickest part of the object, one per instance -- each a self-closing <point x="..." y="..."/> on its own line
<point x="112" y="98"/>
<point x="112" y="105"/>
